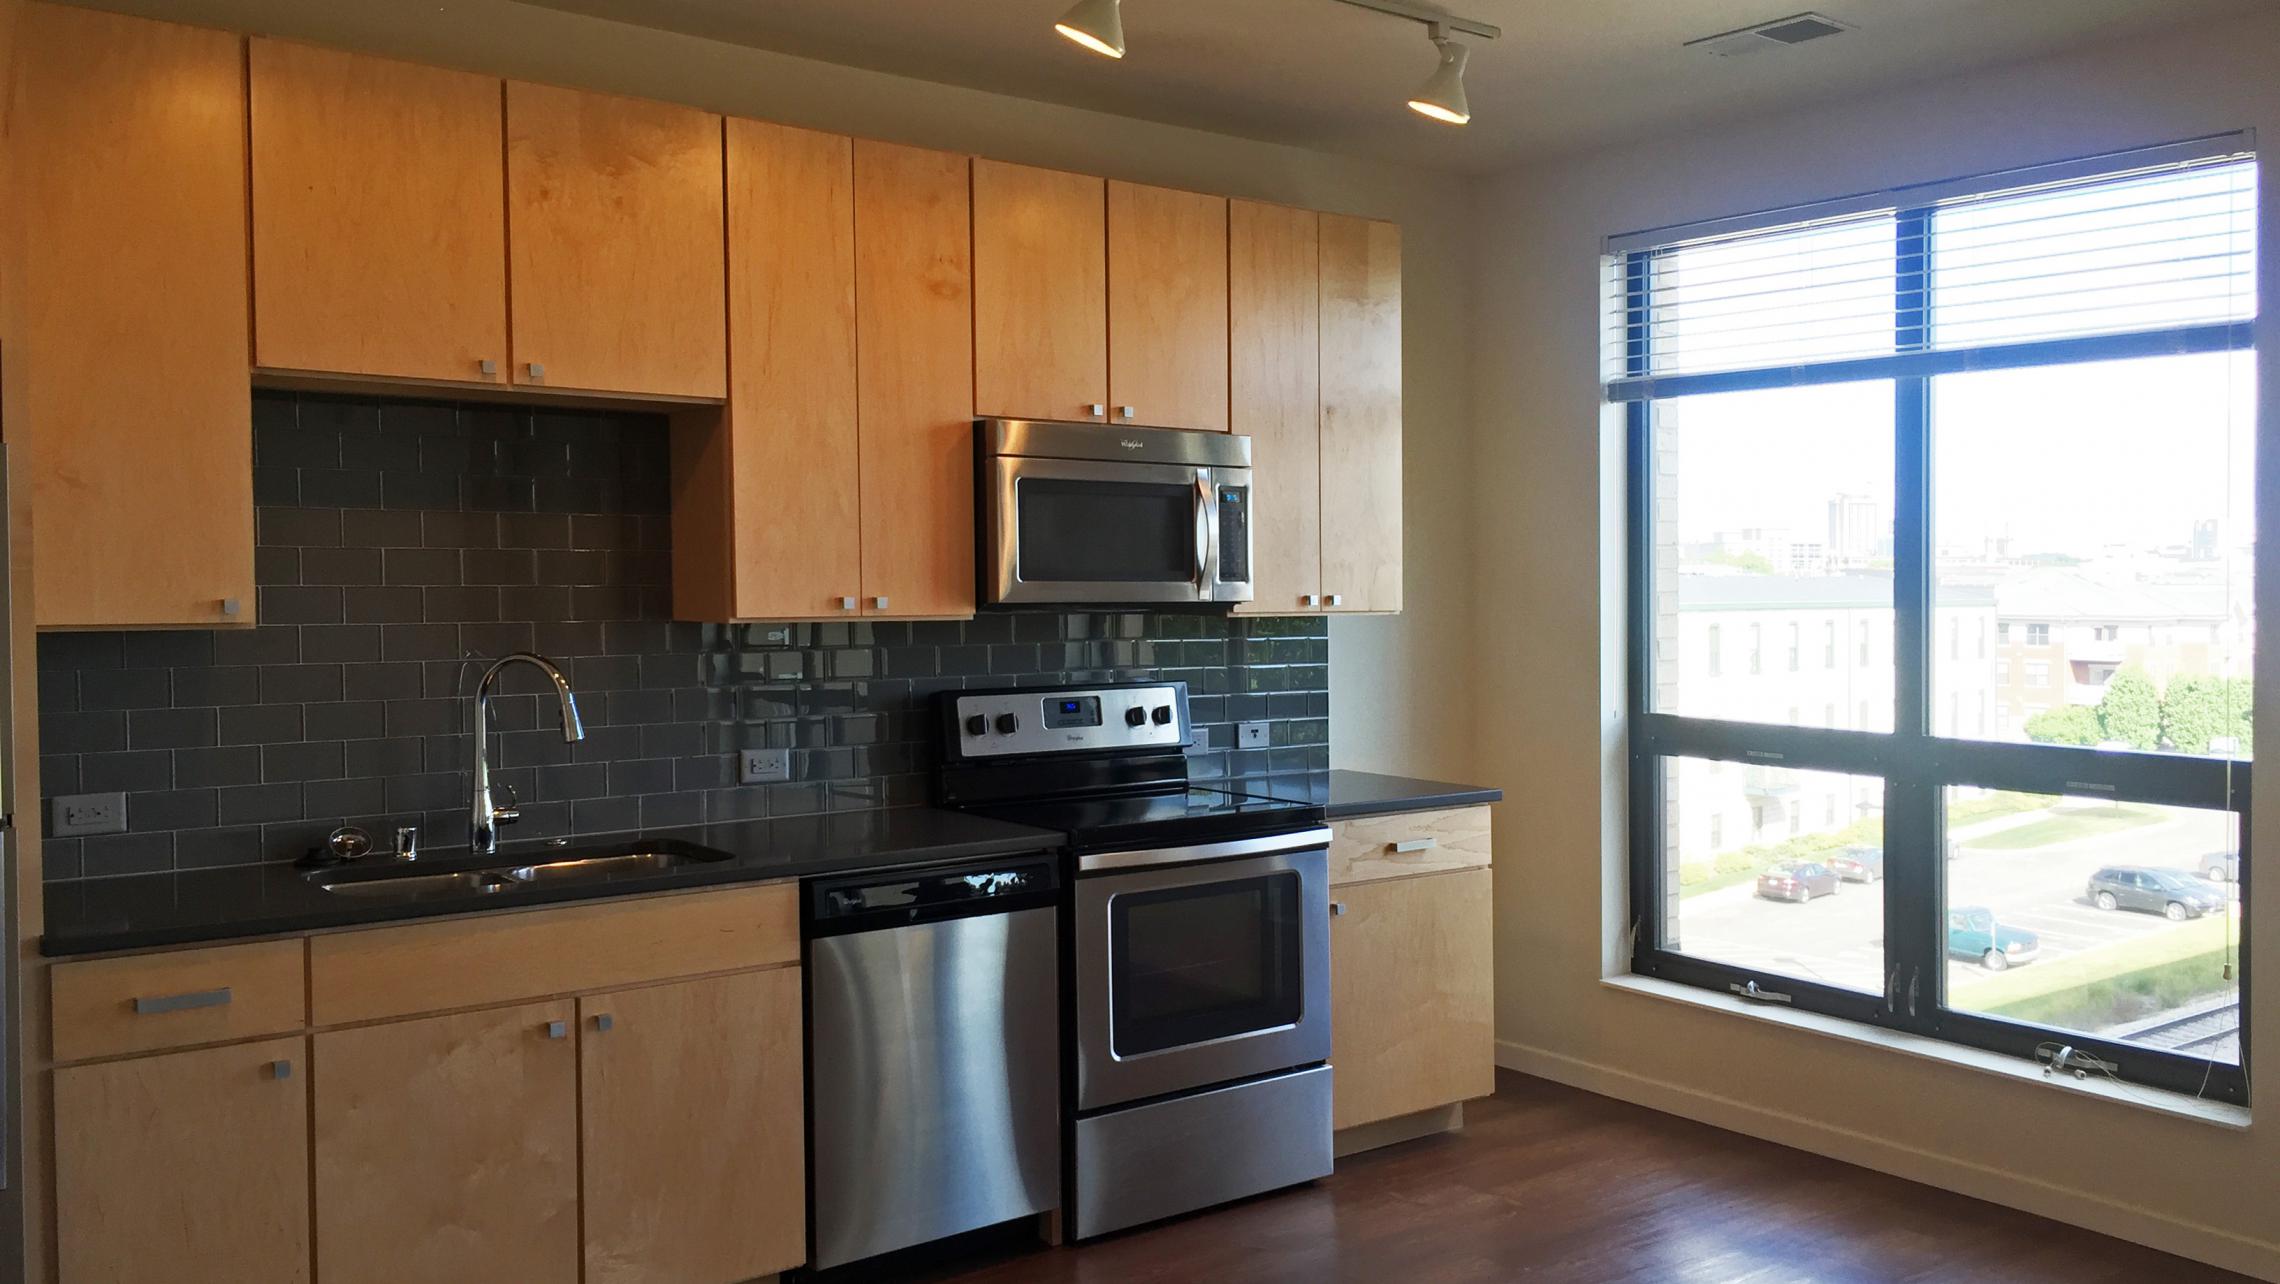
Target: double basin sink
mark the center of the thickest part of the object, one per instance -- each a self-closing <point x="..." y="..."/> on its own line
<point x="404" y="882"/>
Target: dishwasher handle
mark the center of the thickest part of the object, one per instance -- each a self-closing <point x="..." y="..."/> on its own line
<point x="878" y="901"/>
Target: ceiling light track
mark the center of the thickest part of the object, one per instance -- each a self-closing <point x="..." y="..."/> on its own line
<point x="1430" y="17"/>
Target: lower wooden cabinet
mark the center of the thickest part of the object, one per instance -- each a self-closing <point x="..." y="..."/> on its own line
<point x="691" y="1122"/>
<point x="1411" y="995"/>
<point x="447" y="1149"/>
<point x="185" y="1168"/>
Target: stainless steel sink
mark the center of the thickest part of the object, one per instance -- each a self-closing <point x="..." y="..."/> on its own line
<point x="407" y="882"/>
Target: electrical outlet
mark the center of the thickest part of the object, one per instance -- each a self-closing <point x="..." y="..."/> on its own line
<point x="761" y="766"/>
<point x="77" y="814"/>
<point x="1251" y="735"/>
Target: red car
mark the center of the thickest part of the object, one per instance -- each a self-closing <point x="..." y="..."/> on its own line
<point x="1796" y="880"/>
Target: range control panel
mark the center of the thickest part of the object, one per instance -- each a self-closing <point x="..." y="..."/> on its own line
<point x="994" y="724"/>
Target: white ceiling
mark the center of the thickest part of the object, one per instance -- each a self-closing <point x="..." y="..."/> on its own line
<point x="1566" y="74"/>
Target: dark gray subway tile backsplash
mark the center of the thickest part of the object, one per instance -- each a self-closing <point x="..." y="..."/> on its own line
<point x="402" y="545"/>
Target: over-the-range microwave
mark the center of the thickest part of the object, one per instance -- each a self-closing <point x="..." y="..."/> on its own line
<point x="1104" y="514"/>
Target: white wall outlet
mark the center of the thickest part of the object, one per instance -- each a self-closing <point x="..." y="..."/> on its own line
<point x="79" y="814"/>
<point x="762" y="766"/>
<point x="1251" y="735"/>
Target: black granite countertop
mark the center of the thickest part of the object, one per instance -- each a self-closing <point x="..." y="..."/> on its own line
<point x="1346" y="794"/>
<point x="148" y="910"/>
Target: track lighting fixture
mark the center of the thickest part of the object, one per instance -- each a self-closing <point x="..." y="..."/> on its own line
<point x="1443" y="97"/>
<point x="1095" y="24"/>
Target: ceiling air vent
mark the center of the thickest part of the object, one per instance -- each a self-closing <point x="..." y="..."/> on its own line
<point x="1793" y="30"/>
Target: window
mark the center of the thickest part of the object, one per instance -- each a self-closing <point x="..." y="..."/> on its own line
<point x="1713" y="652"/>
<point x="2014" y="400"/>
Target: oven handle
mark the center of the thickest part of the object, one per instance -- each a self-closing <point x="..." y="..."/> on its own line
<point x="1303" y="840"/>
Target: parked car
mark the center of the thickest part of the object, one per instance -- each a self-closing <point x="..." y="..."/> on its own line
<point x="1973" y="933"/>
<point x="2220" y="867"/>
<point x="1860" y="864"/>
<point x="1796" y="880"/>
<point x="2173" y="893"/>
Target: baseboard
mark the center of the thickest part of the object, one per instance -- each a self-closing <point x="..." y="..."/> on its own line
<point x="1400" y="1128"/>
<point x="2215" y="1246"/>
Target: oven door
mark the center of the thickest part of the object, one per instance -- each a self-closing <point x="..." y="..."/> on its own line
<point x="1070" y="530"/>
<point x="1196" y="974"/>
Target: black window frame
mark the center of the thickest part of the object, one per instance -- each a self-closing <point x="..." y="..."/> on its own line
<point x="1916" y="766"/>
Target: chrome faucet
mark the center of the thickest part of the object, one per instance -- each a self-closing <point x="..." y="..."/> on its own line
<point x="484" y="813"/>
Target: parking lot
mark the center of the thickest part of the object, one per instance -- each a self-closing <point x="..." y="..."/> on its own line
<point x="1838" y="939"/>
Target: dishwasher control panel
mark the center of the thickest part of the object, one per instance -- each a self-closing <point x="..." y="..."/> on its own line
<point x="1089" y="719"/>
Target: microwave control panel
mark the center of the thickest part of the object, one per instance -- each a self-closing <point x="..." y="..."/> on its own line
<point x="994" y="724"/>
<point x="1234" y="534"/>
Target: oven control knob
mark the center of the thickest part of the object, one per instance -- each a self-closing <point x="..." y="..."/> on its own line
<point x="1163" y="714"/>
<point x="1135" y="716"/>
<point x="1007" y="724"/>
<point x="976" y="725"/>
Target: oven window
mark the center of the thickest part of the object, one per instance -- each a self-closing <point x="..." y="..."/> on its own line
<point x="1191" y="964"/>
<point x="1105" y="532"/>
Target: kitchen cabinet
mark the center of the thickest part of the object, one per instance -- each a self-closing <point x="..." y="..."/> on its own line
<point x="1274" y="306"/>
<point x="692" y="1131"/>
<point x="1412" y="964"/>
<point x="184" y="1168"/>
<point x="614" y="226"/>
<point x="447" y="1148"/>
<point x="136" y="430"/>
<point x="1167" y="307"/>
<point x="1040" y="293"/>
<point x="1361" y="414"/>
<point x="379" y="217"/>
<point x="849" y="316"/>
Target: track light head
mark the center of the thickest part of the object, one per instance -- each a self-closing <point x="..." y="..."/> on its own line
<point x="1095" y="24"/>
<point x="1443" y="97"/>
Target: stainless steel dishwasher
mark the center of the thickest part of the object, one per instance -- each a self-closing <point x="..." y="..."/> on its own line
<point x="933" y="1053"/>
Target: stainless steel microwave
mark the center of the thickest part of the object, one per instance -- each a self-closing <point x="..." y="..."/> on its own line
<point x="1103" y="514"/>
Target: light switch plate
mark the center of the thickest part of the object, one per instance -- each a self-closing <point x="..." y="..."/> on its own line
<point x="80" y="814"/>
<point x="1251" y="735"/>
<point x="763" y="766"/>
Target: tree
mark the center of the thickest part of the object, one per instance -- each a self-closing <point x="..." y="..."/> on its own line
<point x="2130" y="711"/>
<point x="2074" y="724"/>
<point x="2195" y="711"/>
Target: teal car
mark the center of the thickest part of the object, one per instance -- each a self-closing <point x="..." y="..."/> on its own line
<point x="1973" y="933"/>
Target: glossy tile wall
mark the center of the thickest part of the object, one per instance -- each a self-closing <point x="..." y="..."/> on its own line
<point x="403" y="544"/>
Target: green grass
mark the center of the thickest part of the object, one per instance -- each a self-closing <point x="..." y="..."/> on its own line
<point x="1972" y="811"/>
<point x="2129" y="997"/>
<point x="2085" y="980"/>
<point x="2066" y="827"/>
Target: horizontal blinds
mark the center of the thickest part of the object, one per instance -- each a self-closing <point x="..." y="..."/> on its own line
<point x="2166" y="251"/>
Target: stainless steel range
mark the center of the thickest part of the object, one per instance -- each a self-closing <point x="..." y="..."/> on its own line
<point x="1198" y="952"/>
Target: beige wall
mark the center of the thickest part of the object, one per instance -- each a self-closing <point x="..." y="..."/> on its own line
<point x="1548" y="576"/>
<point x="1385" y="673"/>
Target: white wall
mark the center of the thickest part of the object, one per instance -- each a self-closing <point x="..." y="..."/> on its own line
<point x="1386" y="674"/>
<point x="1548" y="633"/>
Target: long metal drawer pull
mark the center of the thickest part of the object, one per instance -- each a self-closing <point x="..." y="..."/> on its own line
<point x="155" y="1004"/>
<point x="1407" y="845"/>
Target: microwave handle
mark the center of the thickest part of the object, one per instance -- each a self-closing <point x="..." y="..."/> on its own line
<point x="1203" y="536"/>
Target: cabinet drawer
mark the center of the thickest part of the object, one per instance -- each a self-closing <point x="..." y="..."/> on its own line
<point x="1414" y="842"/>
<point x="504" y="958"/>
<point x="147" y="1001"/>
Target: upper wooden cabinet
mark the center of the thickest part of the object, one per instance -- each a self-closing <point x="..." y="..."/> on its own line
<point x="187" y="1168"/>
<point x="379" y="218"/>
<point x="838" y="480"/>
<point x="1040" y="293"/>
<point x="614" y="223"/>
<point x="1274" y="306"/>
<point x="1361" y="414"/>
<point x="1167" y="307"/>
<point x="137" y="423"/>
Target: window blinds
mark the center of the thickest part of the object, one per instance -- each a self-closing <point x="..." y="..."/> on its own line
<point x="2151" y="251"/>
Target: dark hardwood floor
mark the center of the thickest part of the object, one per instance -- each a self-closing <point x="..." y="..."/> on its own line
<point x="1549" y="1183"/>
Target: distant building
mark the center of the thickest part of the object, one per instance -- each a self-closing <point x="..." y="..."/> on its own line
<point x="2061" y="635"/>
<point x="1858" y="532"/>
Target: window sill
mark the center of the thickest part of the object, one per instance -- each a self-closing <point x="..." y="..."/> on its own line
<point x="2176" y="1105"/>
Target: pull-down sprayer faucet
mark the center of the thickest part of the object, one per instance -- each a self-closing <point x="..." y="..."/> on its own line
<point x="484" y="815"/>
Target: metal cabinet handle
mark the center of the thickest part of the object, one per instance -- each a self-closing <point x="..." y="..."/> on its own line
<point x="153" y="1005"/>
<point x="1337" y="909"/>
<point x="558" y="1029"/>
<point x="1407" y="845"/>
<point x="536" y="369"/>
<point x="280" y="1069"/>
<point x="231" y="606"/>
<point x="1097" y="410"/>
<point x="1127" y="411"/>
<point x="488" y="367"/>
<point x="1306" y="599"/>
<point x="847" y="604"/>
<point x="879" y="603"/>
<point x="1335" y="599"/>
<point x="603" y="1021"/>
